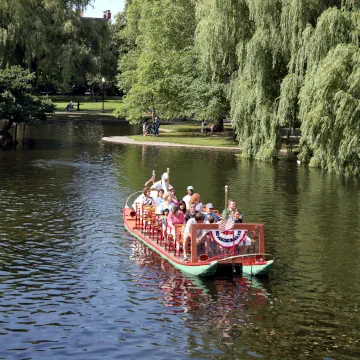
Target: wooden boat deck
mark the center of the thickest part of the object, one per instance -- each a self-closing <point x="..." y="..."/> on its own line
<point x="154" y="239"/>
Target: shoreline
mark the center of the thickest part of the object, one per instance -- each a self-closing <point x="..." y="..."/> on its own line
<point x="64" y="116"/>
<point x="127" y="140"/>
<point x="283" y="153"/>
<point x="83" y="116"/>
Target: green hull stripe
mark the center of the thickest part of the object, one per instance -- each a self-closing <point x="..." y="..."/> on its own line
<point x="206" y="270"/>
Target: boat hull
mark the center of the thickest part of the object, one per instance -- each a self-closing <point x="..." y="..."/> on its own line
<point x="228" y="265"/>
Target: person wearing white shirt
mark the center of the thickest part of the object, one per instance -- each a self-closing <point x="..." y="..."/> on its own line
<point x="190" y="191"/>
<point x="201" y="235"/>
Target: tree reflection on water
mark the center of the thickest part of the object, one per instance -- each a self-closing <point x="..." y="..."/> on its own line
<point x="222" y="303"/>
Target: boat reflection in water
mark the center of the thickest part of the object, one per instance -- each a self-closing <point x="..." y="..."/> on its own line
<point x="221" y="302"/>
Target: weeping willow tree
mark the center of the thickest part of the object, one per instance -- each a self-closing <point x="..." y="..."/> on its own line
<point x="271" y="51"/>
<point x="36" y="34"/>
<point x="326" y="66"/>
<point x="255" y="86"/>
<point x="330" y="112"/>
<point x="219" y="28"/>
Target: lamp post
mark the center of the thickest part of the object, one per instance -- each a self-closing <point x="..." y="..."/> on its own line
<point x="103" y="97"/>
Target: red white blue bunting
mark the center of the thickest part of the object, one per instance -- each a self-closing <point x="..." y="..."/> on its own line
<point x="228" y="238"/>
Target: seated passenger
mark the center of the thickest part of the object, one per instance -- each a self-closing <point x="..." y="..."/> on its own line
<point x="195" y="199"/>
<point x="147" y="199"/>
<point x="237" y="217"/>
<point x="209" y="212"/>
<point x="191" y="212"/>
<point x="244" y="246"/>
<point x="173" y="196"/>
<point x="159" y="200"/>
<point x="213" y="245"/>
<point x="138" y="201"/>
<point x="190" y="192"/>
<point x="175" y="217"/>
<point x="229" y="211"/>
<point x="167" y="203"/>
<point x="201" y="236"/>
<point x="182" y="207"/>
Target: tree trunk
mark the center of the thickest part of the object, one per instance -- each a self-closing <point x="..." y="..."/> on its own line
<point x="93" y="92"/>
<point x="6" y="128"/>
<point x="34" y="66"/>
<point x="6" y="140"/>
<point x="153" y="108"/>
<point x="219" y="125"/>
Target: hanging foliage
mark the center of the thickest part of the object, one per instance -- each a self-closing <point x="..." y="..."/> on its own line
<point x="264" y="62"/>
<point x="330" y="112"/>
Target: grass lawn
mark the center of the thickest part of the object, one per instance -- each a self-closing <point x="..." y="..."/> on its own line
<point x="190" y="134"/>
<point x="60" y="101"/>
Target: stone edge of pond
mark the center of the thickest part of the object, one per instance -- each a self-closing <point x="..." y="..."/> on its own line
<point x="127" y="140"/>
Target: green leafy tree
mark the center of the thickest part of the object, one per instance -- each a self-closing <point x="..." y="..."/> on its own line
<point x="17" y="103"/>
<point x="156" y="68"/>
<point x="330" y="112"/>
<point x="33" y="32"/>
<point x="49" y="38"/>
<point x="270" y="52"/>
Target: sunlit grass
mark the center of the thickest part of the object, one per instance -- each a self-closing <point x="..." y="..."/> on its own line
<point x="110" y="104"/>
<point x="190" y="134"/>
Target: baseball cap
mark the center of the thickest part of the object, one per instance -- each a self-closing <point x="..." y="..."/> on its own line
<point x="190" y="188"/>
<point x="209" y="206"/>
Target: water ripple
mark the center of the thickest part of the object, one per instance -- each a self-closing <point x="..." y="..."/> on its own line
<point x="75" y="284"/>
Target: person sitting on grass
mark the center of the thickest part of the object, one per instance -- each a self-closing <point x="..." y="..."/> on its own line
<point x="202" y="236"/>
<point x="69" y="106"/>
<point x="149" y="128"/>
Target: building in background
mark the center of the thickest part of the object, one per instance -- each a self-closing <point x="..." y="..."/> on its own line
<point x="106" y="15"/>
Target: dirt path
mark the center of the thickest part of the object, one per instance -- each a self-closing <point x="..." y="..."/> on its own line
<point x="127" y="140"/>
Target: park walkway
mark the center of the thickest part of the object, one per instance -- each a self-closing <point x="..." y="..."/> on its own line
<point x="127" y="140"/>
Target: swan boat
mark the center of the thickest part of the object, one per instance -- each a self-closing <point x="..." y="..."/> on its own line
<point x="143" y="224"/>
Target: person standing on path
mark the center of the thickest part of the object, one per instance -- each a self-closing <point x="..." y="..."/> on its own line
<point x="156" y="126"/>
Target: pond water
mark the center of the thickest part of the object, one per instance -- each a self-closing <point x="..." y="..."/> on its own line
<point x="74" y="283"/>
